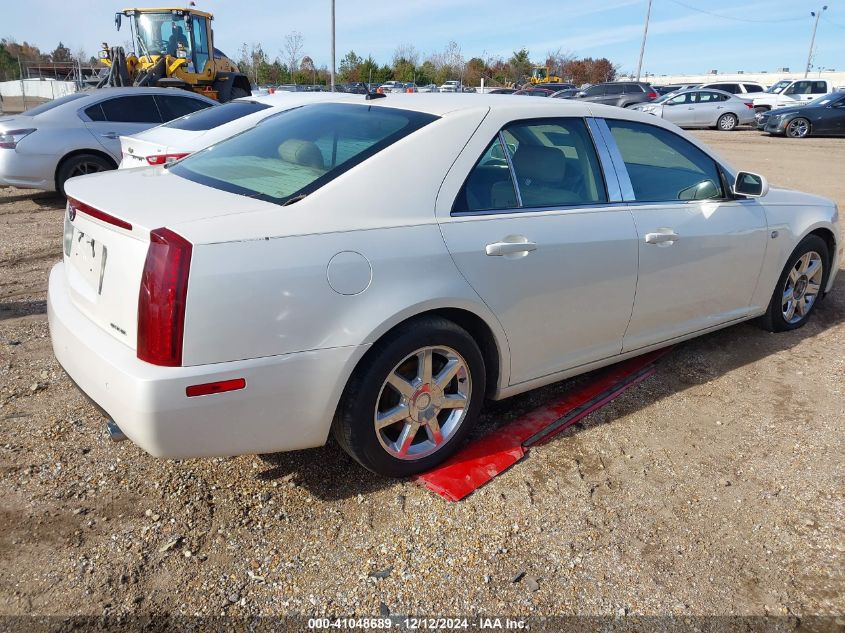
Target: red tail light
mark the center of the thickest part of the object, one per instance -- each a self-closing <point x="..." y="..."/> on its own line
<point x="162" y="298"/>
<point x="750" y="106"/>
<point x="75" y="206"/>
<point x="652" y="95"/>
<point x="162" y="159"/>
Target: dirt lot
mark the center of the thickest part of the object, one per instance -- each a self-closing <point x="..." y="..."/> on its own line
<point x="715" y="487"/>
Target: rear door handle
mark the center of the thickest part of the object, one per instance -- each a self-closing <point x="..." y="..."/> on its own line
<point x="512" y="245"/>
<point x="662" y="236"/>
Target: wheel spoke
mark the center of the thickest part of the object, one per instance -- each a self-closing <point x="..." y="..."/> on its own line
<point x="801" y="307"/>
<point x="401" y="385"/>
<point x="790" y="311"/>
<point x="803" y="263"/>
<point x="448" y="372"/>
<point x="455" y="401"/>
<point x="392" y="416"/>
<point x="788" y="294"/>
<point x="406" y="438"/>
<point x="814" y="267"/>
<point x="794" y="274"/>
<point x="432" y="429"/>
<point x="813" y="288"/>
<point x="425" y="358"/>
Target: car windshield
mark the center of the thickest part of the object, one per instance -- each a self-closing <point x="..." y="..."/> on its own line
<point x="45" y="107"/>
<point x="778" y="87"/>
<point x="160" y="33"/>
<point x="294" y="153"/>
<point x="666" y="97"/>
<point x="827" y="99"/>
<point x="213" y="117"/>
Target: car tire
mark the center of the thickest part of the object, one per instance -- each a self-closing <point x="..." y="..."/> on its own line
<point x="727" y="122"/>
<point x="422" y="434"/>
<point x="80" y="165"/>
<point x="801" y="274"/>
<point x="798" y="128"/>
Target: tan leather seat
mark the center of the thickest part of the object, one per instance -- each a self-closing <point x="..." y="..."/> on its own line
<point x="300" y="152"/>
<point x="540" y="172"/>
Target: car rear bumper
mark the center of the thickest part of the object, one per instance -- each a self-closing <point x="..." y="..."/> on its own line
<point x="27" y="171"/>
<point x="288" y="402"/>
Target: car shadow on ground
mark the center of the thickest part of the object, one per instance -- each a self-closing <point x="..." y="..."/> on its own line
<point x="329" y="474"/>
<point x="19" y="309"/>
<point x="48" y="199"/>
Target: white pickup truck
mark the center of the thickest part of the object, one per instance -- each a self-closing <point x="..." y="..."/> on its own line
<point x="789" y="92"/>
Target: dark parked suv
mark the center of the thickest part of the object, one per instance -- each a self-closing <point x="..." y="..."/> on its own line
<point x="619" y="93"/>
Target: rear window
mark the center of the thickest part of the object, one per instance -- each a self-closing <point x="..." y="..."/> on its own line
<point x="294" y="153"/>
<point x="216" y="116"/>
<point x="45" y="107"/>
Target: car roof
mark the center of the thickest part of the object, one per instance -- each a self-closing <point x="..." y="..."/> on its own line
<point x="705" y="89"/>
<point x="114" y="92"/>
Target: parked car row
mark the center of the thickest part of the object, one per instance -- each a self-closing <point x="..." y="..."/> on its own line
<point x="146" y="310"/>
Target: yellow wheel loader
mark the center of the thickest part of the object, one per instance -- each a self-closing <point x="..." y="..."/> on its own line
<point x="542" y="75"/>
<point x="173" y="47"/>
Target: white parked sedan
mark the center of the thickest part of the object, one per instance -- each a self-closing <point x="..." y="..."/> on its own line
<point x="174" y="140"/>
<point x="701" y="107"/>
<point x="257" y="296"/>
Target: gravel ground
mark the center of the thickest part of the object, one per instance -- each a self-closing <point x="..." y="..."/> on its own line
<point x="715" y="487"/>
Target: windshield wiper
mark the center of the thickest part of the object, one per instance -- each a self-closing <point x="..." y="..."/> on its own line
<point x="293" y="200"/>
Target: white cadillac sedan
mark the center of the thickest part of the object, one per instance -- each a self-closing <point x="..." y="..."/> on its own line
<point x="257" y="296"/>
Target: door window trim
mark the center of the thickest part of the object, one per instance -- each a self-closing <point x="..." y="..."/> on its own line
<point x="616" y="163"/>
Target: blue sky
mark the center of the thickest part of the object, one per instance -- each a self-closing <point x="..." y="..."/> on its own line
<point x="680" y="38"/>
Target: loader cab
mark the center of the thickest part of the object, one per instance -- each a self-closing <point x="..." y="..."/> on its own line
<point x="179" y="33"/>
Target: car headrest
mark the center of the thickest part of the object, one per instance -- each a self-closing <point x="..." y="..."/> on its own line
<point x="299" y="152"/>
<point x="538" y="162"/>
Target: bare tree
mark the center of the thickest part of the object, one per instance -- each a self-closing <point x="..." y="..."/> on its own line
<point x="292" y="51"/>
<point x="406" y="53"/>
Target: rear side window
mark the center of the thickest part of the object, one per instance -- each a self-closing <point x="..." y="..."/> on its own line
<point x="211" y="118"/>
<point x="131" y="109"/>
<point x="613" y="89"/>
<point x="298" y="152"/>
<point x="662" y="166"/>
<point x="709" y="97"/>
<point x="633" y="88"/>
<point x="819" y="87"/>
<point x="554" y="165"/>
<point x="175" y="106"/>
<point x="752" y="88"/>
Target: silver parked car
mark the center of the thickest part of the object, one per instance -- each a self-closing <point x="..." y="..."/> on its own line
<point x="80" y="133"/>
<point x="702" y="108"/>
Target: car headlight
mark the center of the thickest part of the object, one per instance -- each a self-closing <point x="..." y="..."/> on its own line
<point x="10" y="139"/>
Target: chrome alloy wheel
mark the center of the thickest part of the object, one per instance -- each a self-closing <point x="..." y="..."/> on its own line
<point x="802" y="287"/>
<point x="422" y="402"/>
<point x="727" y="122"/>
<point x="85" y="167"/>
<point x="798" y="128"/>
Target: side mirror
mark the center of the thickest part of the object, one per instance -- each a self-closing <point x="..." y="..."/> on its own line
<point x="750" y="185"/>
<point x="117" y="20"/>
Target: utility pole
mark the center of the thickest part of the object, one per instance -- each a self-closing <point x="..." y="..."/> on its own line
<point x="642" y="46"/>
<point x="813" y="38"/>
<point x="333" y="51"/>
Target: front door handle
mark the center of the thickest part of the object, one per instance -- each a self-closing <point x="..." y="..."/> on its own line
<point x="662" y="236"/>
<point x="111" y="135"/>
<point x="511" y="245"/>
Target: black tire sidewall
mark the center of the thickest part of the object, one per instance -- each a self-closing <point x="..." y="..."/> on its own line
<point x="69" y="163"/>
<point x="355" y="422"/>
<point x="774" y="320"/>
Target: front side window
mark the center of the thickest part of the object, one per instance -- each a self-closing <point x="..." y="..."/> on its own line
<point x="294" y="153"/>
<point x="554" y="165"/>
<point x="662" y="166"/>
<point x="799" y="88"/>
<point x="200" y="31"/>
<point x="595" y="91"/>
<point x="131" y="109"/>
